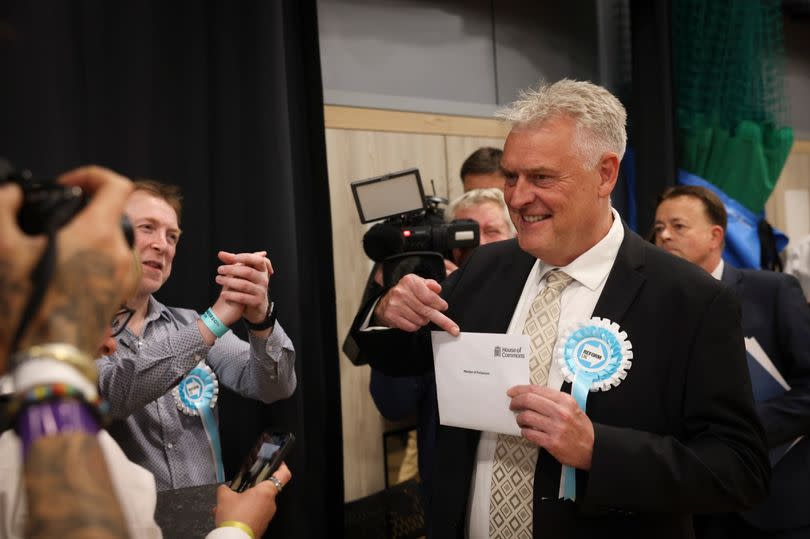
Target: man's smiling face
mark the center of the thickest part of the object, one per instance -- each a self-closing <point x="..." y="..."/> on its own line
<point x="156" y="237"/>
<point x="555" y="200"/>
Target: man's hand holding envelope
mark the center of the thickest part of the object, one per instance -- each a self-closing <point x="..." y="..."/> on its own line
<point x="477" y="389"/>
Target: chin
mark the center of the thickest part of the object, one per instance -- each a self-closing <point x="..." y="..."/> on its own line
<point x="149" y="287"/>
<point x="534" y="248"/>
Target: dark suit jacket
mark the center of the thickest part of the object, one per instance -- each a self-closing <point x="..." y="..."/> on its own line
<point x="678" y="436"/>
<point x="775" y="313"/>
<point x="398" y="397"/>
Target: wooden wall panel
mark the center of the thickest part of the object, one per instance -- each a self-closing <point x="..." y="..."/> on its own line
<point x="353" y="155"/>
<point x="365" y="119"/>
<point x="795" y="176"/>
<point x="458" y="149"/>
<point x="362" y="143"/>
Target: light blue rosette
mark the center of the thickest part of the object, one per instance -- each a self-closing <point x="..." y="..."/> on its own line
<point x="593" y="355"/>
<point x="196" y="394"/>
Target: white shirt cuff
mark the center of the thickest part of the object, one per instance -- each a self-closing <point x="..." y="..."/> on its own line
<point x="365" y="326"/>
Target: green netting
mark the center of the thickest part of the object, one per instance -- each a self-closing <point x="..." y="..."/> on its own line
<point x="728" y="70"/>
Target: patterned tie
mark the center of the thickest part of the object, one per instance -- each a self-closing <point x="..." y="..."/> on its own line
<point x="512" y="487"/>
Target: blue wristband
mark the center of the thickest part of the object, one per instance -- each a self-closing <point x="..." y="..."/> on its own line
<point x="213" y="323"/>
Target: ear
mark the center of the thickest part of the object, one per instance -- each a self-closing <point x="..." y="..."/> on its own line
<point x="718" y="236"/>
<point x="608" y="169"/>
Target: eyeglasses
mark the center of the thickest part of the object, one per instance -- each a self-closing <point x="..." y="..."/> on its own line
<point x="121" y="319"/>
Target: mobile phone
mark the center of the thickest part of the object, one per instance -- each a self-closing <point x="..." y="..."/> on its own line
<point x="264" y="459"/>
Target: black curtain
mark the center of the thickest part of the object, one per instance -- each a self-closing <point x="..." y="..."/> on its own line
<point x="652" y="120"/>
<point x="223" y="99"/>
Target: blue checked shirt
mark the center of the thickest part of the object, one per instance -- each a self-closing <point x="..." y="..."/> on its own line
<point x="137" y="381"/>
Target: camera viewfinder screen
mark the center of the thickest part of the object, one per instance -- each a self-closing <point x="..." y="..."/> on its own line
<point x="379" y="198"/>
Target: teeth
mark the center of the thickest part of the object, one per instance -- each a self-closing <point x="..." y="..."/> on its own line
<point x="534" y="218"/>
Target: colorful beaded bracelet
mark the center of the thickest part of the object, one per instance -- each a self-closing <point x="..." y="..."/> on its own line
<point x="51" y="392"/>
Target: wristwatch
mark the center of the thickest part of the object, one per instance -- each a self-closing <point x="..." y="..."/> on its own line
<point x="268" y="322"/>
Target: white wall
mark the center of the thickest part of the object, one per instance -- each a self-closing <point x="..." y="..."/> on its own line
<point x="457" y="56"/>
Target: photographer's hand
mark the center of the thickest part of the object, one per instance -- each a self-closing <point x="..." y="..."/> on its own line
<point x="94" y="268"/>
<point x="413" y="303"/>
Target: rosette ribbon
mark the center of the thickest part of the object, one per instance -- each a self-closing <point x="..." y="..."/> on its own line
<point x="593" y="355"/>
<point x="196" y="394"/>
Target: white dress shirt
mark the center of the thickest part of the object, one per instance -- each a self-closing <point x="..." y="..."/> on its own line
<point x="718" y="271"/>
<point x="589" y="271"/>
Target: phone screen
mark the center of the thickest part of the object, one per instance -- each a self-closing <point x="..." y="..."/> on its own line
<point x="264" y="459"/>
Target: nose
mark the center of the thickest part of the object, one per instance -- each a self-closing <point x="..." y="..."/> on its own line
<point x="520" y="194"/>
<point x="159" y="242"/>
<point x="663" y="233"/>
<point x="107" y="346"/>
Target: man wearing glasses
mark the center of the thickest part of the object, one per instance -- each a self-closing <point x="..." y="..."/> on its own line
<point x="690" y="222"/>
<point x="162" y="381"/>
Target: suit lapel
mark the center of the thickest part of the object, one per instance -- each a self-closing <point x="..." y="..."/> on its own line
<point x="516" y="274"/>
<point x="624" y="280"/>
<point x="500" y="280"/>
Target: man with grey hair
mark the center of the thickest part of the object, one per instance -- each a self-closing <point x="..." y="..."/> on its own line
<point x="487" y="208"/>
<point x="674" y="435"/>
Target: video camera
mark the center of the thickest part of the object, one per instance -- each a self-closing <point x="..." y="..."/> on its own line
<point x="48" y="206"/>
<point x="412" y="237"/>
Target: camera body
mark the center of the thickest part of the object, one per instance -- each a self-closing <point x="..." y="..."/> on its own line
<point x="412" y="236"/>
<point x="48" y="206"/>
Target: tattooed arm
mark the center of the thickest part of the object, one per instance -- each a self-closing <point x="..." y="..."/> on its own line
<point x="70" y="494"/>
<point x="68" y="486"/>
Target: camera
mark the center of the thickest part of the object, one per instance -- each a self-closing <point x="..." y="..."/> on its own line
<point x="412" y="237"/>
<point x="47" y="206"/>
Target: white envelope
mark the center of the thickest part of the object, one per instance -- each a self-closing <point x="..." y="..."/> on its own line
<point x="473" y="373"/>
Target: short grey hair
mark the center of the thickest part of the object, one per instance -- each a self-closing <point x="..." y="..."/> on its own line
<point x="600" y="117"/>
<point x="476" y="197"/>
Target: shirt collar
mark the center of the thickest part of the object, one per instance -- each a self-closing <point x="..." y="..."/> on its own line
<point x="592" y="267"/>
<point x="718" y="271"/>
<point x="155" y="310"/>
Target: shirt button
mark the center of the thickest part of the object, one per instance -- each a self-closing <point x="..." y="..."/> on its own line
<point x="169" y="445"/>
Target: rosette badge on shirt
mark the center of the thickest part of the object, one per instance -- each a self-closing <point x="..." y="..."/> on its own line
<point x="199" y="389"/>
<point x="196" y="395"/>
<point x="593" y="355"/>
